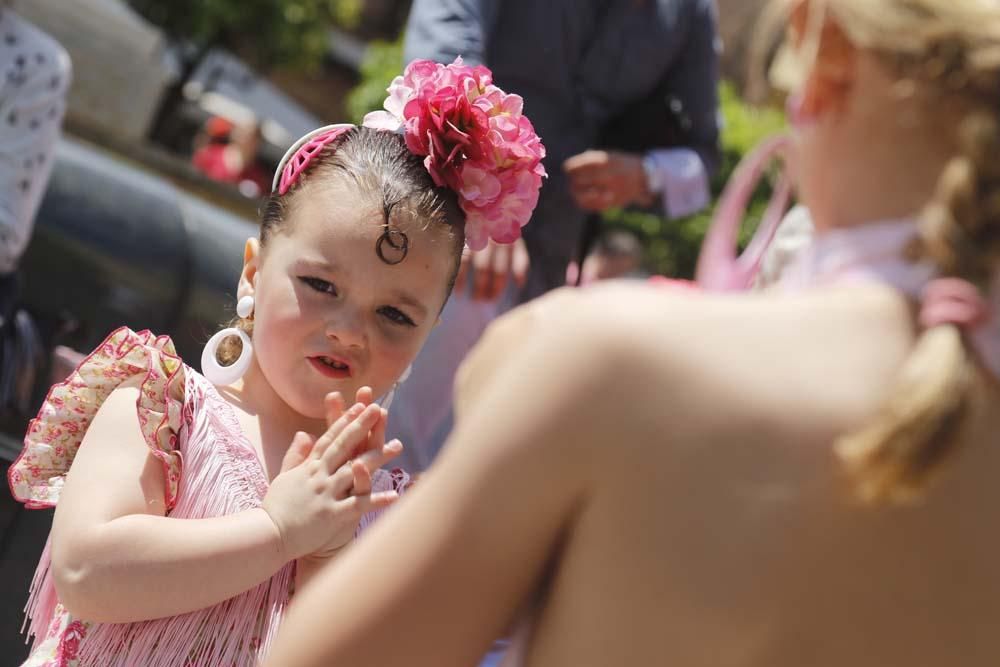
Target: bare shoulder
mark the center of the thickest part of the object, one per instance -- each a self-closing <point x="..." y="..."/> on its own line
<point x="686" y="361"/>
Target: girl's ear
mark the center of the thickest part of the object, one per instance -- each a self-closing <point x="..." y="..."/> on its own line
<point x="828" y="83"/>
<point x="251" y="263"/>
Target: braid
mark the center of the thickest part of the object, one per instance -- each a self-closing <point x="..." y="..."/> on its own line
<point x="951" y="48"/>
<point x="896" y="454"/>
<point x="960" y="230"/>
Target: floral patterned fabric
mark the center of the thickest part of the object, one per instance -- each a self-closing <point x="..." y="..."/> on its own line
<point x="61" y="645"/>
<point x="54" y="436"/>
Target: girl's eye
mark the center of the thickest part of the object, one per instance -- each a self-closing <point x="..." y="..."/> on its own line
<point x="320" y="285"/>
<point x="396" y="316"/>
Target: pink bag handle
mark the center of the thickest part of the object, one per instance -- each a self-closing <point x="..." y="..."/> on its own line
<point x="719" y="269"/>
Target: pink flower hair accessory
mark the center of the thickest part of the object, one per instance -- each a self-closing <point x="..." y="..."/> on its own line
<point x="475" y="140"/>
<point x="302" y="152"/>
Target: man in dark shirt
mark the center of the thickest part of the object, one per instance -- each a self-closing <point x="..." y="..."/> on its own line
<point x="624" y="96"/>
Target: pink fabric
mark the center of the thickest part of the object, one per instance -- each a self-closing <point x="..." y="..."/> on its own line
<point x="874" y="253"/>
<point x="211" y="161"/>
<point x="300" y="160"/>
<point x="221" y="474"/>
<point x="719" y="269"/>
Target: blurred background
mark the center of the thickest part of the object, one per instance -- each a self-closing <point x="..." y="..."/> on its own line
<point x="178" y="112"/>
<point x="145" y="202"/>
<point x="150" y="76"/>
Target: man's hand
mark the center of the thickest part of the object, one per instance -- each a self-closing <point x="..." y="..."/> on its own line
<point x="490" y="270"/>
<point x="599" y="180"/>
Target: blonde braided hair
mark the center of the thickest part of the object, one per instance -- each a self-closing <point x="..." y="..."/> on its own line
<point x="949" y="48"/>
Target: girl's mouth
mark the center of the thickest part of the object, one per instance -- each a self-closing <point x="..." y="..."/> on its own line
<point x="331" y="367"/>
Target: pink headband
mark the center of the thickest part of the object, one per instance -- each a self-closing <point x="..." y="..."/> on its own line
<point x="302" y="152"/>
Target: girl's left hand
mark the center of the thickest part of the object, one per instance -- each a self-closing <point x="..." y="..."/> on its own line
<point x="362" y="466"/>
<point x="365" y="460"/>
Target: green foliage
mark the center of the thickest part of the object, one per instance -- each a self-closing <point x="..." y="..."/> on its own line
<point x="346" y="13"/>
<point x="672" y="245"/>
<point x="268" y="32"/>
<point x="383" y="62"/>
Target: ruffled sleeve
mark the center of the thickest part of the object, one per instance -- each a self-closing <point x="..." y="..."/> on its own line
<point x="54" y="436"/>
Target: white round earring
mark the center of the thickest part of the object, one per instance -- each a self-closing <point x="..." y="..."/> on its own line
<point x="215" y="372"/>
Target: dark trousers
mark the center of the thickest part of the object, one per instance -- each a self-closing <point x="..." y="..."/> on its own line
<point x="22" y="537"/>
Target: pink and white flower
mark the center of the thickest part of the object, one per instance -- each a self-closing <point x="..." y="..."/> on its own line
<point x="69" y="645"/>
<point x="474" y="139"/>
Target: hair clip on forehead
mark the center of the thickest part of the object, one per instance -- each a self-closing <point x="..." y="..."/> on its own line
<point x="392" y="246"/>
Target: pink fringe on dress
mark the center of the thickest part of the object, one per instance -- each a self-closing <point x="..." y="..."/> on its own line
<point x="42" y="598"/>
<point x="222" y="476"/>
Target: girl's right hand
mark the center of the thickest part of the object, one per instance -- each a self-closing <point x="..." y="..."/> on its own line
<point x="314" y="504"/>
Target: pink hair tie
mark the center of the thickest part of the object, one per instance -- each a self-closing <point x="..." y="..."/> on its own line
<point x="302" y="152"/>
<point x="953" y="301"/>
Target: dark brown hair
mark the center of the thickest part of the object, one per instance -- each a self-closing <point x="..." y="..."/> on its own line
<point x="379" y="164"/>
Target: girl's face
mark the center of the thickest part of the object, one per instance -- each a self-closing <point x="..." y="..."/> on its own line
<point x="329" y="314"/>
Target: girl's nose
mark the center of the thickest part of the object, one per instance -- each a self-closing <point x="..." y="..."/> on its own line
<point x="347" y="329"/>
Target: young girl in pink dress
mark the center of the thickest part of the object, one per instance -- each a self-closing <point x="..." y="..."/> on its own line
<point x="190" y="506"/>
<point x="801" y="476"/>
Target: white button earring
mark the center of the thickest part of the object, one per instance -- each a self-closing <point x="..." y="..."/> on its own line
<point x="244" y="307"/>
<point x="215" y="372"/>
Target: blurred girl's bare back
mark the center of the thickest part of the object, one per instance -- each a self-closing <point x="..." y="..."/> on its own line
<point x="735" y="540"/>
<point x="696" y="519"/>
<point x="645" y="477"/>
